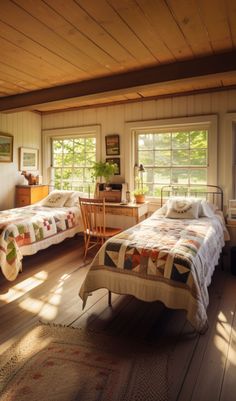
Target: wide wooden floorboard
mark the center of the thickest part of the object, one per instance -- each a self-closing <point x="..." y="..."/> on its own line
<point x="215" y="356"/>
<point x="201" y="367"/>
<point x="193" y="366"/>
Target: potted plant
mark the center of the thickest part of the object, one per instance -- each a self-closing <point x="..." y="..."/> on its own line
<point x="140" y="191"/>
<point x="105" y="170"/>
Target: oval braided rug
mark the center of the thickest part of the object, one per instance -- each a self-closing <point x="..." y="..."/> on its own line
<point x="53" y="363"/>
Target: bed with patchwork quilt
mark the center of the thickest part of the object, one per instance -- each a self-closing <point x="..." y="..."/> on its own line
<point x="170" y="259"/>
<point x="26" y="230"/>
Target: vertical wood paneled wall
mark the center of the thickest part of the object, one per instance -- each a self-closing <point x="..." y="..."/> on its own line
<point x="26" y="130"/>
<point x="113" y="119"/>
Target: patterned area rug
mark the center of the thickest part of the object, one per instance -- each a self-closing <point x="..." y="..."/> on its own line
<point x="64" y="364"/>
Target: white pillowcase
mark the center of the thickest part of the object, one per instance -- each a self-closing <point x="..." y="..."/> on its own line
<point x="207" y="209"/>
<point x="73" y="199"/>
<point x="56" y="198"/>
<point x="161" y="211"/>
<point x="182" y="208"/>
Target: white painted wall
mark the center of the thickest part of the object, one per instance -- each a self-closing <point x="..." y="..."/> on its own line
<point x="26" y="130"/>
<point x="113" y="119"/>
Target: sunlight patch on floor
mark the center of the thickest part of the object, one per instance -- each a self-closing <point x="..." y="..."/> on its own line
<point x="46" y="309"/>
<point x="224" y="331"/>
<point x="24" y="286"/>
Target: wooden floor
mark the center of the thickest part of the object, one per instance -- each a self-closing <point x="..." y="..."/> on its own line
<point x="201" y="367"/>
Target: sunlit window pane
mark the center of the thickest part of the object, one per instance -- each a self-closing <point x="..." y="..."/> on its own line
<point x="169" y="158"/>
<point x="162" y="175"/>
<point x="162" y="141"/>
<point x="57" y="160"/>
<point x="68" y="146"/>
<point x="180" y="140"/>
<point x="180" y="176"/>
<point x="198" y="139"/>
<point x="145" y="141"/>
<point x="68" y="160"/>
<point x="57" y="146"/>
<point x="180" y="157"/>
<point x="198" y="157"/>
<point x="146" y="157"/>
<point x="74" y="157"/>
<point x="198" y="176"/>
<point x="162" y="157"/>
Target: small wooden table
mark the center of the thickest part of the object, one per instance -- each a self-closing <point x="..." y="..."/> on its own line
<point x="136" y="210"/>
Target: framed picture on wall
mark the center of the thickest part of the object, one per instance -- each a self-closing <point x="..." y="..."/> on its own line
<point x="112" y="145"/>
<point x="114" y="160"/>
<point x="28" y="159"/>
<point x="6" y="148"/>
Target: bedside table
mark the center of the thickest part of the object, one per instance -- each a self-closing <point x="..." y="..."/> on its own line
<point x="29" y="194"/>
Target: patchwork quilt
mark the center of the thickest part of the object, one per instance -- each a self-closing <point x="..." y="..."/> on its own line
<point x="171" y="260"/>
<point x="27" y="225"/>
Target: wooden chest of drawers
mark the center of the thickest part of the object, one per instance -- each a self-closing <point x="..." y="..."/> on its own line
<point x="29" y="194"/>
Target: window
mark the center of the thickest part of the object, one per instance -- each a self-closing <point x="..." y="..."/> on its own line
<point x="172" y="157"/>
<point x="72" y="159"/>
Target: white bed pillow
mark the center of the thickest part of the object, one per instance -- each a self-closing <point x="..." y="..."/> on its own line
<point x="74" y="198"/>
<point x="182" y="208"/>
<point x="161" y="211"/>
<point x="56" y="198"/>
<point x="207" y="209"/>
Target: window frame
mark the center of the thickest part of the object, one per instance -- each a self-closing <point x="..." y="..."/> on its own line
<point x="66" y="133"/>
<point x="208" y="122"/>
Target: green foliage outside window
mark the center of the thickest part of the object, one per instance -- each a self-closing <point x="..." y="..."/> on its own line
<point x="173" y="158"/>
<point x="72" y="160"/>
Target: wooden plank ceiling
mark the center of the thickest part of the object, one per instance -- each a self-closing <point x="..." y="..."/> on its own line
<point x="59" y="54"/>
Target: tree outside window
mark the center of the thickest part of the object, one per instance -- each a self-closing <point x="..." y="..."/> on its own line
<point x="72" y="160"/>
<point x="169" y="158"/>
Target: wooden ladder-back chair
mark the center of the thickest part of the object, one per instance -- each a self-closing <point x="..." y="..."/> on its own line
<point x="94" y="220"/>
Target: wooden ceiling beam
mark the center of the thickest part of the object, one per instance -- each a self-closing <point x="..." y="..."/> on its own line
<point x="224" y="62"/>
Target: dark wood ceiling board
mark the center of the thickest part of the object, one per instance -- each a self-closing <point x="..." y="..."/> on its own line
<point x="187" y="17"/>
<point x="231" y="14"/>
<point x="65" y="31"/>
<point x="44" y="35"/>
<point x="159" y="15"/>
<point x="111" y="22"/>
<point x="60" y="66"/>
<point x="81" y="34"/>
<point x="124" y="82"/>
<point x="133" y="15"/>
<point x="214" y="16"/>
<point x="93" y="31"/>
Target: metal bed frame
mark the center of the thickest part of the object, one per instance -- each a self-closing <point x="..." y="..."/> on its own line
<point x="212" y="193"/>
